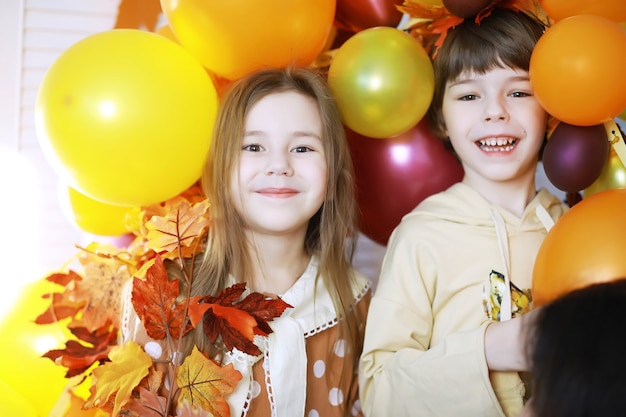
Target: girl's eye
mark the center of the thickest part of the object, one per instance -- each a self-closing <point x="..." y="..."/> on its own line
<point x="468" y="97"/>
<point x="520" y="94"/>
<point x="299" y="149"/>
<point x="252" y="148"/>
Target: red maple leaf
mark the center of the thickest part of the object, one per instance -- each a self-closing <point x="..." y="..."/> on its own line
<point x="235" y="320"/>
<point x="155" y="301"/>
<point x="91" y="347"/>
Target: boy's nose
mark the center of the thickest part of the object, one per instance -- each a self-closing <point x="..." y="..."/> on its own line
<point x="495" y="109"/>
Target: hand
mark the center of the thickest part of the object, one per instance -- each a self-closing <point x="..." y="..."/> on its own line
<point x="505" y="343"/>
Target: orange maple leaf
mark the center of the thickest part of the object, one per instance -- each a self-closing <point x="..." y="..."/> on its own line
<point x="62" y="304"/>
<point x="204" y="384"/>
<point x="179" y="228"/>
<point x="155" y="301"/>
<point x="129" y="365"/>
<point x="149" y="404"/>
<point x="235" y="320"/>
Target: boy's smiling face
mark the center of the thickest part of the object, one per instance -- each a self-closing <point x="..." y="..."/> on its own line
<point x="495" y="124"/>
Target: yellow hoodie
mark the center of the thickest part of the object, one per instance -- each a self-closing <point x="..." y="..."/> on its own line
<point x="423" y="353"/>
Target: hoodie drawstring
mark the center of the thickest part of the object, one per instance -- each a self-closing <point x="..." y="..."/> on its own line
<point x="503" y="242"/>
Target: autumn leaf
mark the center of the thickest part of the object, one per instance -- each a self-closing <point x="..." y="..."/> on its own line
<point x="154" y="299"/>
<point x="149" y="404"/>
<point x="129" y="365"/>
<point x="180" y="228"/>
<point x="204" y="384"/>
<point x="263" y="309"/>
<point x="137" y="217"/>
<point x="64" y="278"/>
<point x="235" y="320"/>
<point x="61" y="307"/>
<point x="89" y="348"/>
<point x="101" y="289"/>
<point x="75" y="408"/>
<point x="187" y="410"/>
<point x="62" y="304"/>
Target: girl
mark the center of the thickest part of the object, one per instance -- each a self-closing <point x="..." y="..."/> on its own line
<point x="439" y="341"/>
<point x="280" y="184"/>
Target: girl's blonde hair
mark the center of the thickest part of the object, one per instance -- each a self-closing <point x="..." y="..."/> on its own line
<point x="331" y="233"/>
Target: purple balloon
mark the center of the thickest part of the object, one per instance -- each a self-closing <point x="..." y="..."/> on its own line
<point x="575" y="156"/>
<point x="465" y="8"/>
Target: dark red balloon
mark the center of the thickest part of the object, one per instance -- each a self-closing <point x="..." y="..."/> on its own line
<point x="394" y="175"/>
<point x="466" y="8"/>
<point x="357" y="15"/>
<point x="575" y="156"/>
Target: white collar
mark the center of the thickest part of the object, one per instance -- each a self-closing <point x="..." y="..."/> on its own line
<point x="284" y="350"/>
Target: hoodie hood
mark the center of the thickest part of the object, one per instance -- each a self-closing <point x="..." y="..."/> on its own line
<point x="462" y="204"/>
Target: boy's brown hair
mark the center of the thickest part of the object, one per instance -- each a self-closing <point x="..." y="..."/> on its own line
<point x="505" y="38"/>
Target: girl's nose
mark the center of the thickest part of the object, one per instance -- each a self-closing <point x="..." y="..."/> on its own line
<point x="279" y="164"/>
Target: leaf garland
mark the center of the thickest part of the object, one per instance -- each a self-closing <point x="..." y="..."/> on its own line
<point x="125" y="379"/>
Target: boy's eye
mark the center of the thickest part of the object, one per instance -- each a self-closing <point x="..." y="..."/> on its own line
<point x="468" y="97"/>
<point x="252" y="148"/>
<point x="519" y="94"/>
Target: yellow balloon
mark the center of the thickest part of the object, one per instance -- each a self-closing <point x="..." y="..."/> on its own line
<point x="37" y="379"/>
<point x="383" y="81"/>
<point x="96" y="217"/>
<point x="13" y="404"/>
<point x="125" y="116"/>
<point x="613" y="176"/>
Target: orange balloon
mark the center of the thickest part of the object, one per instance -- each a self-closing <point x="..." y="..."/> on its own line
<point x="560" y="9"/>
<point x="167" y="32"/>
<point x="234" y="38"/>
<point x="577" y="70"/>
<point x="586" y="246"/>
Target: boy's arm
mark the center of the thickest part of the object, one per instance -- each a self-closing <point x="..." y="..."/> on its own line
<point x="398" y="377"/>
<point x="399" y="374"/>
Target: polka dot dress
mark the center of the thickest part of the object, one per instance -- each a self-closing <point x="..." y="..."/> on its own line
<point x="326" y="390"/>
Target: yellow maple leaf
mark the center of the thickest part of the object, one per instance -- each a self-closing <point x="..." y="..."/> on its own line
<point x="181" y="226"/>
<point x="129" y="365"/>
<point x="203" y="383"/>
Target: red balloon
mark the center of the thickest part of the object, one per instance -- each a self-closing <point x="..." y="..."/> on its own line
<point x="575" y="156"/>
<point x="393" y="175"/>
<point x="357" y="15"/>
<point x="466" y="8"/>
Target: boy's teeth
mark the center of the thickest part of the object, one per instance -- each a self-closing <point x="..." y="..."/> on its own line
<point x="496" y="142"/>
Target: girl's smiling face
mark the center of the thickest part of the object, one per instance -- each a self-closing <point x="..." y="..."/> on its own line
<point x="282" y="175"/>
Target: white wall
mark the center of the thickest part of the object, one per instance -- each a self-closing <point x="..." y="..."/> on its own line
<point x="36" y="237"/>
